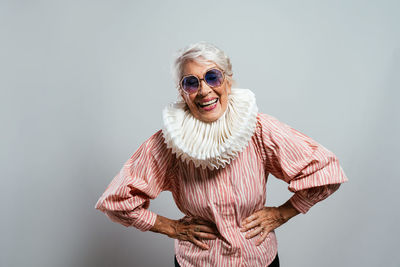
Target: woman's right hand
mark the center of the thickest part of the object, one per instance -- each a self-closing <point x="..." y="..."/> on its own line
<point x="194" y="230"/>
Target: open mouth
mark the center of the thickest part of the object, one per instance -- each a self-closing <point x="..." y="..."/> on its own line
<point x="208" y="104"/>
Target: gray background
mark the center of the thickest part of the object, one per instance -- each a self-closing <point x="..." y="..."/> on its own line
<point x="83" y="84"/>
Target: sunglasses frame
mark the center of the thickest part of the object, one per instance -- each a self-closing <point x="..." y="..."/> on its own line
<point x="199" y="80"/>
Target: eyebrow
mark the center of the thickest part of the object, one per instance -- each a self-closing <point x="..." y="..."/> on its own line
<point x="190" y="74"/>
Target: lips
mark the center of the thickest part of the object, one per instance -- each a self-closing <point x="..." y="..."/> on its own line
<point x="207" y="102"/>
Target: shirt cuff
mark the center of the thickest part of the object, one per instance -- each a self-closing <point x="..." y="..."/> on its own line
<point x="145" y="221"/>
<point x="301" y="203"/>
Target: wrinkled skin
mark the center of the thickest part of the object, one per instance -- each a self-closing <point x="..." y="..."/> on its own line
<point x="193" y="230"/>
<point x="262" y="222"/>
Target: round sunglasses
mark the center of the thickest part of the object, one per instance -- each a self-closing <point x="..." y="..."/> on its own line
<point x="190" y="84"/>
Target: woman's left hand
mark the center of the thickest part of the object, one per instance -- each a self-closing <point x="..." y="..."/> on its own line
<point x="267" y="219"/>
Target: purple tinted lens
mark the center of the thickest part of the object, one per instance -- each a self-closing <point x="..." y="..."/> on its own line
<point x="214" y="77"/>
<point x="190" y="84"/>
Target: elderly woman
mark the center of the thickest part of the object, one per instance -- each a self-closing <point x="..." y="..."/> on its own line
<point x="214" y="154"/>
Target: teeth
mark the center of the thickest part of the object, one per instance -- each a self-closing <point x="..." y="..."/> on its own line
<point x="209" y="102"/>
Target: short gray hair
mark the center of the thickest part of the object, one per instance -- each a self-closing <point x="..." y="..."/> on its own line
<point x="201" y="52"/>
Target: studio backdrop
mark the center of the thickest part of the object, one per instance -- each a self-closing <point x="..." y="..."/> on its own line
<point x="83" y="84"/>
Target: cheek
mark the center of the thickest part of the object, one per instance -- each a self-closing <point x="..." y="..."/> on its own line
<point x="224" y="96"/>
<point x="189" y="101"/>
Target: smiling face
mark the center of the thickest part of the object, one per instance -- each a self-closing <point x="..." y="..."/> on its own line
<point x="207" y="104"/>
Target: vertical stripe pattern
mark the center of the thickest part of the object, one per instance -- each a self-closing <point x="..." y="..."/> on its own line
<point x="224" y="196"/>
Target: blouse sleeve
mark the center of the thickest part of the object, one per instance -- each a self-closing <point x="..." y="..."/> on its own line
<point x="142" y="177"/>
<point x="312" y="171"/>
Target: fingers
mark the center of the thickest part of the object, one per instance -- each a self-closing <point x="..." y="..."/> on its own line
<point x="194" y="229"/>
<point x="263" y="235"/>
<point x="205" y="232"/>
<point x="254" y="232"/>
<point x="251" y="224"/>
<point x="255" y="215"/>
<point x="199" y="243"/>
<point x="204" y="235"/>
<point x="205" y="228"/>
<point x="202" y="221"/>
<point x="250" y="218"/>
<point x="259" y="223"/>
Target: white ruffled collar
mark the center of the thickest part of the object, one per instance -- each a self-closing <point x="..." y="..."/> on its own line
<point x="211" y="145"/>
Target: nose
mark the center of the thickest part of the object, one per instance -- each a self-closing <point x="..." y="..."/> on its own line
<point x="204" y="88"/>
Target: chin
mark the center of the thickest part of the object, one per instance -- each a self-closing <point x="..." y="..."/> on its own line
<point x="207" y="116"/>
<point x="210" y="117"/>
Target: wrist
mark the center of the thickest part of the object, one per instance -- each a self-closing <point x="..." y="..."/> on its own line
<point x="172" y="229"/>
<point x="164" y="226"/>
<point x="287" y="211"/>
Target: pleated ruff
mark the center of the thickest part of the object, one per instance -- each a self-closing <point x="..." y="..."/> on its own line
<point x="211" y="145"/>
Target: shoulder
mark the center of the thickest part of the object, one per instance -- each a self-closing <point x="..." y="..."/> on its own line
<point x="268" y="123"/>
<point x="154" y="148"/>
<point x="267" y="128"/>
<point x="273" y="132"/>
<point x="156" y="140"/>
<point x="157" y="149"/>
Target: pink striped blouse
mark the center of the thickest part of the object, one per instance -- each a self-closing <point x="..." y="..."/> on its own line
<point x="224" y="196"/>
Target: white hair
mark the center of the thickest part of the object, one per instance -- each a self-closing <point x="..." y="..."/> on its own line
<point x="201" y="52"/>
